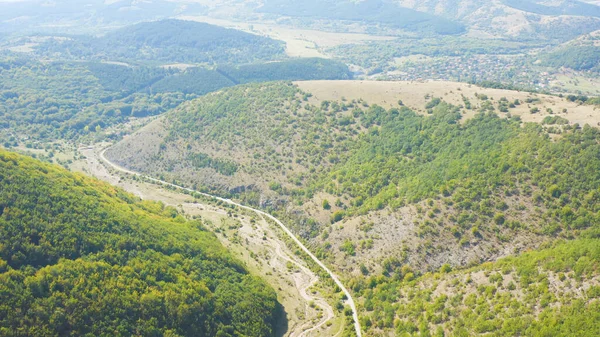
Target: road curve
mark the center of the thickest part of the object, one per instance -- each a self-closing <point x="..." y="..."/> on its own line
<point x="337" y="281"/>
<point x="304" y="290"/>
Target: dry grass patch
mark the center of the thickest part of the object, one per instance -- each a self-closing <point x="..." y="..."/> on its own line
<point x="415" y="95"/>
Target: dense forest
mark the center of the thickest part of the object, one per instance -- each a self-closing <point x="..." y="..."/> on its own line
<point x="290" y="70"/>
<point x="81" y="258"/>
<point x="124" y="79"/>
<point x="168" y="41"/>
<point x="65" y="100"/>
<point x="200" y="81"/>
<point x="196" y="80"/>
<point x="447" y="217"/>
<point x="574" y="57"/>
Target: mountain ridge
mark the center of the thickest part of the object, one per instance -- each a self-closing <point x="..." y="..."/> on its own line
<point x="498" y="18"/>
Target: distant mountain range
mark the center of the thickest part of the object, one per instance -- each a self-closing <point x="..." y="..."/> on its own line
<point x="171" y="41"/>
<point x="539" y="19"/>
<point x="371" y="12"/>
<point x="564" y="19"/>
<point x="74" y="15"/>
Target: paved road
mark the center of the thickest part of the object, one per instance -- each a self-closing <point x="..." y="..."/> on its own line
<point x="349" y="301"/>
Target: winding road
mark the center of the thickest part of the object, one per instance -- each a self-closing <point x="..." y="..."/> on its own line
<point x="349" y="301"/>
<point x="279" y="252"/>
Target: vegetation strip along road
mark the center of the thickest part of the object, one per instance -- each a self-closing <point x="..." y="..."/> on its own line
<point x="337" y="281"/>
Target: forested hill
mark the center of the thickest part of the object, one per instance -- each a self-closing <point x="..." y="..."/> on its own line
<point x="169" y="41"/>
<point x="582" y="54"/>
<point x="387" y="195"/>
<point x="80" y="257"/>
<point x="65" y="100"/>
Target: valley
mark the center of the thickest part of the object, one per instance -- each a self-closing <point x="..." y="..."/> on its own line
<point x="256" y="241"/>
<point x="274" y="168"/>
<point x="299" y="42"/>
<point x="355" y="222"/>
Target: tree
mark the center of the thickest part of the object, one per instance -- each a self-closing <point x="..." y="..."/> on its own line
<point x="337" y="216"/>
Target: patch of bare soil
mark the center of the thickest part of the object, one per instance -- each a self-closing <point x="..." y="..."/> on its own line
<point x="402" y="234"/>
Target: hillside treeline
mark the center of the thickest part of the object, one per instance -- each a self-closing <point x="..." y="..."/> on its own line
<point x="82" y="258"/>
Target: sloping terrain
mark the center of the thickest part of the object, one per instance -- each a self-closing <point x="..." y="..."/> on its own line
<point x="568" y="7"/>
<point x="169" y="41"/>
<point x="415" y="95"/>
<point x="272" y="143"/>
<point x="552" y="292"/>
<point x="375" y="12"/>
<point x="388" y="194"/>
<point x="446" y="208"/>
<point x="69" y="99"/>
<point x="582" y="54"/>
<point x="79" y="257"/>
<point x="302" y="294"/>
<point x="201" y="80"/>
<point x="547" y="20"/>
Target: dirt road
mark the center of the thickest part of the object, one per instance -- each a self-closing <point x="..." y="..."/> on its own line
<point x="308" y="312"/>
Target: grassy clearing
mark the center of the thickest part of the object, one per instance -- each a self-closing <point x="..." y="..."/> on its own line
<point x="416" y="95"/>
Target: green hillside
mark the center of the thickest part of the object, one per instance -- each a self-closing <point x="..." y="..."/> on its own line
<point x="477" y="186"/>
<point x="201" y="81"/>
<point x="301" y="69"/>
<point x="64" y="100"/>
<point x="574" y="57"/>
<point x="42" y="101"/>
<point x="552" y="292"/>
<point x="125" y="80"/>
<point x="192" y="81"/>
<point x="376" y="158"/>
<point x="169" y="41"/>
<point x="81" y="258"/>
<point x="469" y="188"/>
